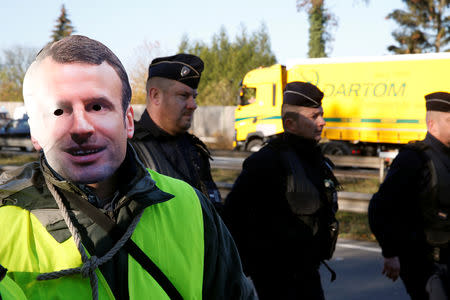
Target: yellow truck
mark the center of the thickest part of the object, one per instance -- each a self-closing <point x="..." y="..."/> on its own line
<point x="371" y="104"/>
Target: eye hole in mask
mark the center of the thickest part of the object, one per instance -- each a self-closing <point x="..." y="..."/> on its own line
<point x="58" y="112"/>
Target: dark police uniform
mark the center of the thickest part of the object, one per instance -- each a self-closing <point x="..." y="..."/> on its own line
<point x="183" y="156"/>
<point x="414" y="195"/>
<point x="280" y="211"/>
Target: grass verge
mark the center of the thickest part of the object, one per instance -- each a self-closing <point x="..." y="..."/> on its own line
<point x="17" y="159"/>
<point x="354" y="226"/>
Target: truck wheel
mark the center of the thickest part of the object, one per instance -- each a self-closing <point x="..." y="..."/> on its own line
<point x="254" y="145"/>
<point x="336" y="148"/>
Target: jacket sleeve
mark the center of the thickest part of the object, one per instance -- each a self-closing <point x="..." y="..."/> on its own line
<point x="253" y="210"/>
<point x="394" y="212"/>
<point x="223" y="277"/>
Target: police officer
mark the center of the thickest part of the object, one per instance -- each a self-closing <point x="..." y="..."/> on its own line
<point x="409" y="214"/>
<point x="281" y="208"/>
<point x="161" y="138"/>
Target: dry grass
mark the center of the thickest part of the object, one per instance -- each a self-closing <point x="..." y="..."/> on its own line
<point x="222" y="142"/>
<point x="360" y="185"/>
<point x="17" y="159"/>
<point x="354" y="226"/>
<point x="222" y="175"/>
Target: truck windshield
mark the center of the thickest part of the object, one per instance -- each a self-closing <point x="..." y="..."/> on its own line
<point x="247" y="96"/>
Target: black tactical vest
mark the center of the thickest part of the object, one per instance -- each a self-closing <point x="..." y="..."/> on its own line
<point x="305" y="201"/>
<point x="435" y="195"/>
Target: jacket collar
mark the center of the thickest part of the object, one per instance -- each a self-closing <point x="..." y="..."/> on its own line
<point x="300" y="144"/>
<point x="146" y="126"/>
<point x="436" y="144"/>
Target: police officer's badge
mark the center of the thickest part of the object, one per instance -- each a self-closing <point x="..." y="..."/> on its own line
<point x="184" y="71"/>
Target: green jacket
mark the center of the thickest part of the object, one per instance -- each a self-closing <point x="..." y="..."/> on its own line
<point x="9" y="290"/>
<point x="25" y="188"/>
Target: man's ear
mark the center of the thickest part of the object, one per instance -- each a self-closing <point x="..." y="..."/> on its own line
<point x="154" y="96"/>
<point x="129" y="121"/>
<point x="36" y="144"/>
<point x="431" y="122"/>
<point x="289" y="124"/>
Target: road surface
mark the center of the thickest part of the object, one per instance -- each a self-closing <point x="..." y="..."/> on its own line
<point x="358" y="267"/>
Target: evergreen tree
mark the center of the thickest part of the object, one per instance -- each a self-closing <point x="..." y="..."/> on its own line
<point x="63" y="26"/>
<point x="226" y="63"/>
<point x="424" y="27"/>
<point x="317" y="23"/>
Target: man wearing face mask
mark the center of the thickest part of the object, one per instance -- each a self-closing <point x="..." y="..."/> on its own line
<point x="161" y="138"/>
<point x="281" y="210"/>
<point x="87" y="220"/>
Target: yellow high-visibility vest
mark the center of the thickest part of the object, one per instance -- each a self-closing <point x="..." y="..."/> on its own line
<point x="171" y="233"/>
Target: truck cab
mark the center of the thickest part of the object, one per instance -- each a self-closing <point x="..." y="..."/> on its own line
<point x="258" y="115"/>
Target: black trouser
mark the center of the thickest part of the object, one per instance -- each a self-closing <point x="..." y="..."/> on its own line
<point x="277" y="285"/>
<point x="415" y="272"/>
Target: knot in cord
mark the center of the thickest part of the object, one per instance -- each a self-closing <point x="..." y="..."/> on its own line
<point x="89" y="266"/>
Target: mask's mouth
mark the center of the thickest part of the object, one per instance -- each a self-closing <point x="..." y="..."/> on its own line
<point x="84" y="152"/>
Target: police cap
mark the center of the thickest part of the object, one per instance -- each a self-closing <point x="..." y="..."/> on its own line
<point x="185" y="68"/>
<point x="439" y="101"/>
<point x="302" y="94"/>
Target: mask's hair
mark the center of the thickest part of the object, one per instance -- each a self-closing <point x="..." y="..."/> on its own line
<point x="81" y="49"/>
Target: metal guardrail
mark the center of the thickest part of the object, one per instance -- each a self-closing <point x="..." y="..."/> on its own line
<point x="371" y="164"/>
<point x="348" y="201"/>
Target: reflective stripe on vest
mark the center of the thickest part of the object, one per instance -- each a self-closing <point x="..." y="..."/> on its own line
<point x="170" y="233"/>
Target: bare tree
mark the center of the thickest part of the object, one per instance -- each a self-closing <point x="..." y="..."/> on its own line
<point x="13" y="65"/>
<point x="138" y="73"/>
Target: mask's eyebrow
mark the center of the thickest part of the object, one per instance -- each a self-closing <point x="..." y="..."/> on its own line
<point x="66" y="105"/>
<point x="60" y="107"/>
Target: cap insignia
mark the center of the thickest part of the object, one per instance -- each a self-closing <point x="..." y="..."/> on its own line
<point x="184" y="71"/>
